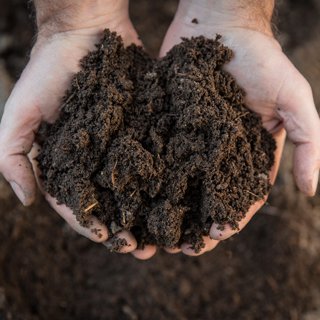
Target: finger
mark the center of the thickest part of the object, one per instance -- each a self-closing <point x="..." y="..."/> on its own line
<point x="32" y="156"/>
<point x="280" y="138"/>
<point x="298" y="113"/>
<point x="172" y="250"/>
<point x="19" y="123"/>
<point x="209" y="244"/>
<point x="215" y="230"/>
<point x="17" y="170"/>
<point x="146" y="253"/>
<point x="16" y="136"/>
<point x="125" y="237"/>
<point x="95" y="231"/>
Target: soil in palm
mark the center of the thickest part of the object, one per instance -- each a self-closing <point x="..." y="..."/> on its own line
<point x="163" y="148"/>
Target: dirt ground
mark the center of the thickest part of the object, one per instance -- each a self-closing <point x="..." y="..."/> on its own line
<point x="269" y="271"/>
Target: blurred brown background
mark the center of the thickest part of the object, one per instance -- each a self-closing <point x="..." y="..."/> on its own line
<point x="270" y="271"/>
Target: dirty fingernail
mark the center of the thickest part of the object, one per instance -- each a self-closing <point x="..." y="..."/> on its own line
<point x="19" y="192"/>
<point x="117" y="244"/>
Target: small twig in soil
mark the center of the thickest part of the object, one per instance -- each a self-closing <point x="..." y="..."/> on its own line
<point x="68" y="100"/>
<point x="241" y="115"/>
<point x="90" y="207"/>
<point x="252" y="194"/>
<point x="187" y="76"/>
<point x="77" y="83"/>
<point x="133" y="193"/>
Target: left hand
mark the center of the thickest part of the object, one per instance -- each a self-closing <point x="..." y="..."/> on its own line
<point x="67" y="31"/>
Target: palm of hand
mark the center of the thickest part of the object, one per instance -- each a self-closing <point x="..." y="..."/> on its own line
<point x="51" y="67"/>
<point x="35" y="98"/>
<point x="259" y="65"/>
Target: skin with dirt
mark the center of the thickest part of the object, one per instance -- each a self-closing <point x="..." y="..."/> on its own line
<point x="163" y="148"/>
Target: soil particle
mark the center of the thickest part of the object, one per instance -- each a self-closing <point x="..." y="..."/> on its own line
<point x="163" y="148"/>
<point x="115" y="244"/>
<point x="195" y="21"/>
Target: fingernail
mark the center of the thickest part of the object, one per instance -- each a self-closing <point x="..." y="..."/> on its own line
<point x="19" y="192"/>
<point x="315" y="181"/>
<point x="117" y="244"/>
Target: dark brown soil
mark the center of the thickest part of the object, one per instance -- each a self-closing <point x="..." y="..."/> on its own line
<point x="162" y="148"/>
<point x="271" y="270"/>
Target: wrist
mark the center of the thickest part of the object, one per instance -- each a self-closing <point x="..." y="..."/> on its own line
<point x="251" y="14"/>
<point x="70" y="15"/>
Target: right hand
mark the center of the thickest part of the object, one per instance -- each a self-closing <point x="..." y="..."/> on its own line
<point x="275" y="90"/>
<point x="64" y="37"/>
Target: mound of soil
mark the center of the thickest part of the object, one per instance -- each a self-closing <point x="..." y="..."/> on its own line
<point x="162" y="148"/>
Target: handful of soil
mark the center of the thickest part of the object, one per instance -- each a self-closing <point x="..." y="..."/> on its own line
<point x="163" y="148"/>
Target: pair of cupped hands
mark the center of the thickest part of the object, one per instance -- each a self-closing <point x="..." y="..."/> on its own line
<point x="69" y="29"/>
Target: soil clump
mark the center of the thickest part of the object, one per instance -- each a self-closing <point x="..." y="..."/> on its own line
<point x="163" y="148"/>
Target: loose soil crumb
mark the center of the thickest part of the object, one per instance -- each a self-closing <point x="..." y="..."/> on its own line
<point x="115" y="244"/>
<point x="163" y="148"/>
<point x="195" y="21"/>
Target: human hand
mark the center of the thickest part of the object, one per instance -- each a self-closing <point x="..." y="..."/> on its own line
<point x="68" y="30"/>
<point x="275" y="89"/>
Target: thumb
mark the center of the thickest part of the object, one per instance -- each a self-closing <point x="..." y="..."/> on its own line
<point x="298" y="113"/>
<point x="17" y="132"/>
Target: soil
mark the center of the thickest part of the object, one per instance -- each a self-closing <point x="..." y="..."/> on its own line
<point x="163" y="148"/>
<point x="269" y="271"/>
